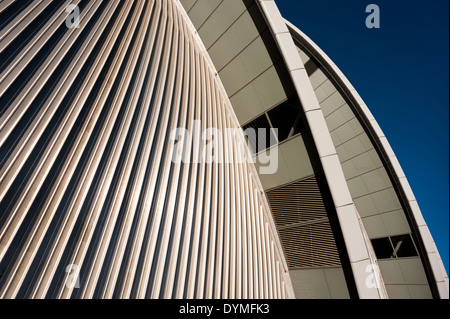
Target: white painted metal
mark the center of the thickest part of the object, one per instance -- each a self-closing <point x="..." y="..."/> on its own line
<point x="136" y="224"/>
<point x="358" y="247"/>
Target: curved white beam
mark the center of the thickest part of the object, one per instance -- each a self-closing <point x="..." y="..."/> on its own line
<point x="358" y="246"/>
<point x="438" y="269"/>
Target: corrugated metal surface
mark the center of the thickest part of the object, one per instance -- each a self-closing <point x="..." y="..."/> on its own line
<point x="303" y="225"/>
<point x="86" y="176"/>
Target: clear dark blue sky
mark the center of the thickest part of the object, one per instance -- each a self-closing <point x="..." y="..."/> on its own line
<point x="402" y="72"/>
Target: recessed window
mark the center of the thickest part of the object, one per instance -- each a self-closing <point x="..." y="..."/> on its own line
<point x="403" y="246"/>
<point x="287" y="119"/>
<point x="277" y="125"/>
<point x="394" y="247"/>
<point x="383" y="248"/>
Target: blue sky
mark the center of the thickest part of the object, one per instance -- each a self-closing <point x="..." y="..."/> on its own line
<point x="402" y="72"/>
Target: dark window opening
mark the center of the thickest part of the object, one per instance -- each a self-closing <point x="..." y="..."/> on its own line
<point x="275" y="126"/>
<point x="394" y="247"/>
<point x="403" y="246"/>
<point x="383" y="248"/>
<point x="287" y="119"/>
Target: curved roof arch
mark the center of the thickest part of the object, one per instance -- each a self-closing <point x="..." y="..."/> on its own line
<point x="433" y="258"/>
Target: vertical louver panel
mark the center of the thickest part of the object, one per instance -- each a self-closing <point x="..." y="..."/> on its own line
<point x="87" y="180"/>
<point x="303" y="225"/>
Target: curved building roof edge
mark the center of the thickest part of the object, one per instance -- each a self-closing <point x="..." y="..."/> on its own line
<point x="359" y="248"/>
<point x="434" y="258"/>
<point x="235" y="121"/>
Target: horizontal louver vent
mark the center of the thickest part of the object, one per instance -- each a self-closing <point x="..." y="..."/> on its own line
<point x="296" y="203"/>
<point x="309" y="246"/>
<point x="303" y="225"/>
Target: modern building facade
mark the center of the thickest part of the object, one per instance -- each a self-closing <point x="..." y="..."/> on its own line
<point x="194" y="149"/>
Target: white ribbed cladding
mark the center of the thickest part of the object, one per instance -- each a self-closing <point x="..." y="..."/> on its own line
<point x="32" y="47"/>
<point x="22" y="20"/>
<point x="102" y="192"/>
<point x="5" y="4"/>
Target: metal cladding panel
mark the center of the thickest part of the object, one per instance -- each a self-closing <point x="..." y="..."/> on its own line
<point x="92" y="204"/>
<point x="298" y="92"/>
<point x="378" y="183"/>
